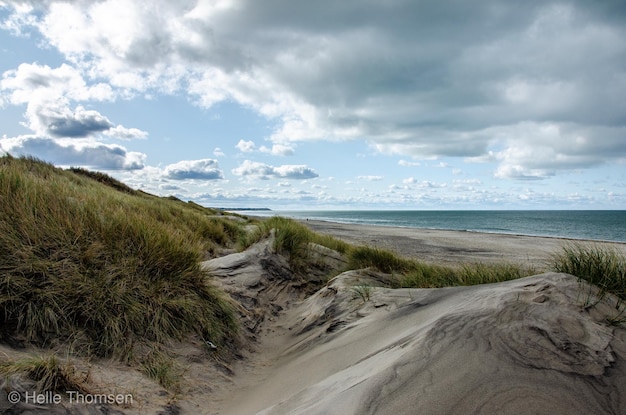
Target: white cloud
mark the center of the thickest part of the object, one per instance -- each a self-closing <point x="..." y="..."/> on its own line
<point x="406" y="163"/>
<point x="263" y="171"/>
<point x="122" y="133"/>
<point x="541" y="150"/>
<point x="276" y="149"/>
<point x="467" y="181"/>
<point x="204" y="169"/>
<point x="218" y="152"/>
<point x="422" y="184"/>
<point x="34" y="82"/>
<point x="279" y="150"/>
<point x="20" y="19"/>
<point x="246" y="146"/>
<point x="79" y="123"/>
<point x="48" y="92"/>
<point x="296" y="172"/>
<point x="169" y="187"/>
<point x="63" y="135"/>
<point x="371" y="178"/>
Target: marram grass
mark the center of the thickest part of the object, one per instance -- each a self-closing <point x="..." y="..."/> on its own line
<point x="293" y="238"/>
<point x="598" y="264"/>
<point x="101" y="269"/>
<point x="50" y="373"/>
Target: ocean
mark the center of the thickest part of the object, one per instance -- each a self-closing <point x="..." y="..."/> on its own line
<point x="601" y="225"/>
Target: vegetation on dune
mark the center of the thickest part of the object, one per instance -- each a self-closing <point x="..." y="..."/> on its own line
<point x="381" y="259"/>
<point x="293" y="238"/>
<point x="102" y="270"/>
<point x="435" y="276"/>
<point x="49" y="373"/>
<point x="416" y="274"/>
<point x="599" y="265"/>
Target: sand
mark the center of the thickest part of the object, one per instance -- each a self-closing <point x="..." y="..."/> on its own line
<point x="537" y="345"/>
<point x="452" y="247"/>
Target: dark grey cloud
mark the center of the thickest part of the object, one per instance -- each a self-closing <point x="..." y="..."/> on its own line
<point x="205" y="169"/>
<point x="75" y="153"/>
<point x="448" y="78"/>
<point x="81" y="123"/>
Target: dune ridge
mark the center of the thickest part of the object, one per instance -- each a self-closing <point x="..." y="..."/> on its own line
<point x="525" y="346"/>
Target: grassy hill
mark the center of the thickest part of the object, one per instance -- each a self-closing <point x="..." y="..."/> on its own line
<point x="90" y="264"/>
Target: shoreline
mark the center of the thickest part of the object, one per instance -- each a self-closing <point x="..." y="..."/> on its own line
<point x="551" y="233"/>
<point x="565" y="238"/>
<point x="454" y="247"/>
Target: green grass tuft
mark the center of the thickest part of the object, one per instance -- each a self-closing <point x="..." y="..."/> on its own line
<point x="599" y="265"/>
<point x="159" y="366"/>
<point x="292" y="239"/>
<point x="362" y="291"/>
<point x="383" y="260"/>
<point x="416" y="274"/>
<point x="49" y="372"/>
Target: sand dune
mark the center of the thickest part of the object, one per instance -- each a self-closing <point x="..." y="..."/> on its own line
<point x="521" y="347"/>
<point x="528" y="346"/>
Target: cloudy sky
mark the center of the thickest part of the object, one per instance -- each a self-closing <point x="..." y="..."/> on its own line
<point x="395" y="104"/>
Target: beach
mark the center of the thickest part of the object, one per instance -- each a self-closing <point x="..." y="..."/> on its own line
<point x="453" y="247"/>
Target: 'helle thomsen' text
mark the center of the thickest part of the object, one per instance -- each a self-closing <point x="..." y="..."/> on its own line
<point x="76" y="397"/>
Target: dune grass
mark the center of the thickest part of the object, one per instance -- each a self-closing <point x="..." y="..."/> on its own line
<point x="50" y="373"/>
<point x="162" y="368"/>
<point x="600" y="265"/>
<point x="410" y="273"/>
<point x="436" y="276"/>
<point x="381" y="259"/>
<point x="293" y="237"/>
<point x="101" y="269"/>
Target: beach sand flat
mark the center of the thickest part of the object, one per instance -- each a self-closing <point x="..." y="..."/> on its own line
<point x="452" y="247"/>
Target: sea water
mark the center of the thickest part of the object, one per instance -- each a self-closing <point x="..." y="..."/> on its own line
<point x="601" y="225"/>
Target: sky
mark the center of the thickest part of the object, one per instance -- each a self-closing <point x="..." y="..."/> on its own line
<point x="292" y="105"/>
